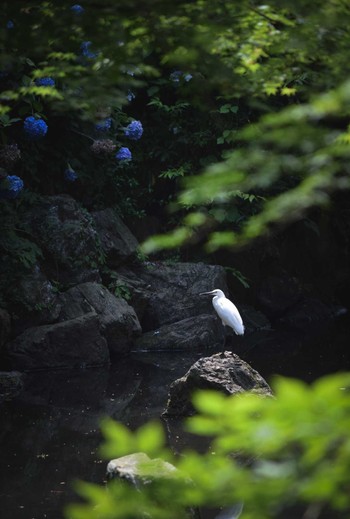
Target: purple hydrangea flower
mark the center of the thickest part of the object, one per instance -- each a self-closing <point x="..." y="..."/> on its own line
<point x="188" y="77"/>
<point x="104" y="126"/>
<point x="44" y="81"/>
<point x="77" y="9"/>
<point x="14" y="187"/>
<point x="35" y="128"/>
<point x="134" y="130"/>
<point x="10" y="24"/>
<point x="103" y="146"/>
<point x="70" y="175"/>
<point x="124" y="154"/>
<point x="85" y="50"/>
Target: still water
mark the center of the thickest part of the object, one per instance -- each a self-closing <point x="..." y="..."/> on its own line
<point x="50" y="433"/>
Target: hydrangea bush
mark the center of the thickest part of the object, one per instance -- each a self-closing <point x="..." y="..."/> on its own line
<point x="101" y="97"/>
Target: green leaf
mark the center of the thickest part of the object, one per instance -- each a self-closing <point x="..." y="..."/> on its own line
<point x="150" y="438"/>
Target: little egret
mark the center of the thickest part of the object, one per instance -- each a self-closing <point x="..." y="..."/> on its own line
<point x="226" y="310"/>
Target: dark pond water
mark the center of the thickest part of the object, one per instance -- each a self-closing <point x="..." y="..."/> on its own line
<point x="50" y="433"/>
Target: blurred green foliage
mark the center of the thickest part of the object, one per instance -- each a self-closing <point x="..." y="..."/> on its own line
<point x="287" y="454"/>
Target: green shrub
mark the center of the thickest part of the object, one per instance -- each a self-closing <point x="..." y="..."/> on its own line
<point x="284" y="454"/>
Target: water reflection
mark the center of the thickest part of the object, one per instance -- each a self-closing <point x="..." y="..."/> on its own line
<point x="50" y="433"/>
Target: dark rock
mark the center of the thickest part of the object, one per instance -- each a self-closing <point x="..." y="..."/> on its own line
<point x="5" y="327"/>
<point x="307" y="314"/>
<point x="253" y="319"/>
<point x="66" y="234"/>
<point x="118" y="322"/>
<point x="11" y="384"/>
<point x="118" y="243"/>
<point x="202" y="331"/>
<point x="36" y="302"/>
<point x="163" y="294"/>
<point x="140" y="468"/>
<point x="73" y="343"/>
<point x="224" y="372"/>
<point x="278" y="293"/>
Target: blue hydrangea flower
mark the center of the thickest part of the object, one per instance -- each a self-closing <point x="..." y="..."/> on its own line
<point x="124" y="154"/>
<point x="10" y="24"/>
<point x="130" y="96"/>
<point x="77" y="9"/>
<point x="85" y="50"/>
<point x="35" y="128"/>
<point x="175" y="76"/>
<point x="104" y="126"/>
<point x="44" y="81"/>
<point x="70" y="175"/>
<point x="134" y="130"/>
<point x="14" y="187"/>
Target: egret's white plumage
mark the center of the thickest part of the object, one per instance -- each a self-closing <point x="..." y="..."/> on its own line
<point x="227" y="311"/>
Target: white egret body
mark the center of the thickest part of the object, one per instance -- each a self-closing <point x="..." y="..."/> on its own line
<point x="226" y="310"/>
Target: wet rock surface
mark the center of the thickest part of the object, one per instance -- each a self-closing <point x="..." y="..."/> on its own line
<point x="225" y="372"/>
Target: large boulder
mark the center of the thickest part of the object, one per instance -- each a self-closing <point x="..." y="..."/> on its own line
<point x="118" y="322"/>
<point x="224" y="372"/>
<point x="164" y="294"/>
<point x="74" y="343"/>
<point x="118" y="242"/>
<point x="202" y="331"/>
<point x="66" y="234"/>
<point x="36" y="301"/>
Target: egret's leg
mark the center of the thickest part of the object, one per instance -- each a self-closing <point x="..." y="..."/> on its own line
<point x="224" y="343"/>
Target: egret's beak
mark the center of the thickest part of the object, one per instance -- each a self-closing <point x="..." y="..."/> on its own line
<point x="206" y="293"/>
